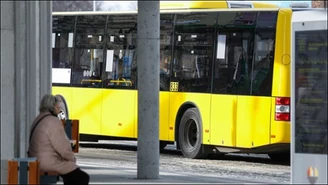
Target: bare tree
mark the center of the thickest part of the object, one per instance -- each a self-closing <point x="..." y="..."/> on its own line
<point x="116" y="5"/>
<point x="65" y="6"/>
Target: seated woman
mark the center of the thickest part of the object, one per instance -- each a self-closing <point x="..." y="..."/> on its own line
<point x="50" y="145"/>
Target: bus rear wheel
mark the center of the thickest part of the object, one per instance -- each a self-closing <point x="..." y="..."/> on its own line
<point x="190" y="134"/>
<point x="280" y="157"/>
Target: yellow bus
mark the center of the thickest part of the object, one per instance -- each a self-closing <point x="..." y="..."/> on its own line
<point x="224" y="76"/>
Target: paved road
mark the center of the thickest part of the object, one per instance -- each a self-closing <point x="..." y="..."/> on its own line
<point x="117" y="163"/>
<point x="170" y="147"/>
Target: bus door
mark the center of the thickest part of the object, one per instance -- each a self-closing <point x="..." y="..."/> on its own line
<point x="119" y="77"/>
<point x="231" y="79"/>
<point x="254" y="104"/>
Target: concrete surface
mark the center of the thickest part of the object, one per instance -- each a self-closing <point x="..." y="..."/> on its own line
<point x="102" y="174"/>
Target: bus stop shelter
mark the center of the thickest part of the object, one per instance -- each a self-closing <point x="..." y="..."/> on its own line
<point x="26" y="61"/>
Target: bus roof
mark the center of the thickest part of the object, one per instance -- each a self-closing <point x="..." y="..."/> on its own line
<point x="173" y="6"/>
<point x="257" y="4"/>
<point x="213" y="4"/>
<point x="169" y="5"/>
<point x="162" y="11"/>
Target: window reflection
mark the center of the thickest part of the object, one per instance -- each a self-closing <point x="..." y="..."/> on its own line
<point x="234" y="64"/>
<point x="236" y="19"/>
<point x="263" y="63"/>
<point x="266" y="20"/>
<point x="246" y="66"/>
<point x="89" y="46"/>
<point x="62" y="48"/>
<point x="166" y="34"/>
<point x="120" y="70"/>
<point x="100" y="51"/>
<point x="194" y="35"/>
<point x="262" y="72"/>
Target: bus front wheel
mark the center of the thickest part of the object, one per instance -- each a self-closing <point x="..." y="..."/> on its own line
<point x="162" y="145"/>
<point x="190" y="134"/>
<point x="63" y="105"/>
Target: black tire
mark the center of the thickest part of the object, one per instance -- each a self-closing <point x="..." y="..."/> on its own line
<point x="162" y="145"/>
<point x="280" y="157"/>
<point x="190" y="134"/>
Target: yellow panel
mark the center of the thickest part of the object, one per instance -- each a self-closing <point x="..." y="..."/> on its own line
<point x="202" y="101"/>
<point x="223" y="120"/>
<point x="264" y="5"/>
<point x="281" y="70"/>
<point x="253" y="121"/>
<point x="86" y="103"/>
<point x="118" y="113"/>
<point x="193" y="4"/>
<point x="173" y="4"/>
<point x="280" y="130"/>
<point x="208" y="4"/>
<point x="163" y="116"/>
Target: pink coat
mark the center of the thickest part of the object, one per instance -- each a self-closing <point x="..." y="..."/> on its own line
<point x="51" y="146"/>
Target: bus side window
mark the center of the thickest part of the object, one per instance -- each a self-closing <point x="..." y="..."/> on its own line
<point x="121" y="52"/>
<point x="193" y="51"/>
<point x="263" y="65"/>
<point x="262" y="72"/>
<point x="166" y="38"/>
<point x="234" y="53"/>
<point x="88" y="53"/>
<point x="62" y="49"/>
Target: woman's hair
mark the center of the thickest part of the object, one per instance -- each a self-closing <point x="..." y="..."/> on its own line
<point x="48" y="103"/>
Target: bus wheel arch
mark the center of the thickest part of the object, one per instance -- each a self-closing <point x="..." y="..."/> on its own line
<point x="178" y="117"/>
<point x="64" y="105"/>
<point x="188" y="132"/>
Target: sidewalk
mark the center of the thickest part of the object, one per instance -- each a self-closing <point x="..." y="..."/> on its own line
<point x="107" y="175"/>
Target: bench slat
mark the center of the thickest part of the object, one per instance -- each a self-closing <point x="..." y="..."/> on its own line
<point x="12" y="172"/>
<point x="49" y="173"/>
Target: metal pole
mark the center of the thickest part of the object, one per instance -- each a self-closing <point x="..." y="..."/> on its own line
<point x="148" y="89"/>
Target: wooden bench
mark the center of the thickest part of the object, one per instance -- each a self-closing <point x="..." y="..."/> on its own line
<point x="72" y="132"/>
<point x="23" y="171"/>
<point x="49" y="177"/>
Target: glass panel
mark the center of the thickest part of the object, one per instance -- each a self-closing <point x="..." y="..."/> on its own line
<point x="234" y="57"/>
<point x="194" y="36"/>
<point x="121" y="54"/>
<point x="262" y="72"/>
<point x="166" y="36"/>
<point x="311" y="92"/>
<point x="62" y="48"/>
<point x="69" y="6"/>
<point x="237" y="19"/>
<point x="267" y="20"/>
<point x="263" y="63"/>
<point x="89" y="47"/>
